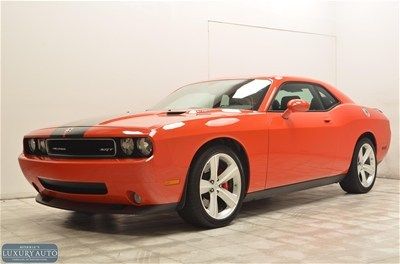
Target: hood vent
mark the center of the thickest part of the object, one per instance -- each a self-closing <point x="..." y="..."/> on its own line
<point x="175" y="112"/>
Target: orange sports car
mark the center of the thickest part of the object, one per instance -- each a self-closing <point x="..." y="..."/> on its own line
<point x="207" y="147"/>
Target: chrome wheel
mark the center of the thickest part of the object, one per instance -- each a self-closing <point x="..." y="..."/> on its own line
<point x="366" y="167"/>
<point x="220" y="186"/>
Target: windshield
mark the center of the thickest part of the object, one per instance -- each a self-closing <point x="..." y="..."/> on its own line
<point x="233" y="94"/>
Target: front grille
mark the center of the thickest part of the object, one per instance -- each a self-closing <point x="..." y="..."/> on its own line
<point x="81" y="147"/>
<point x="74" y="187"/>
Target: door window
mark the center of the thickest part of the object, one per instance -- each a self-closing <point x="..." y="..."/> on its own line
<point x="290" y="91"/>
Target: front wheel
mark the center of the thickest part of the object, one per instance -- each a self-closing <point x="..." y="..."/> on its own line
<point x="215" y="188"/>
<point x="362" y="172"/>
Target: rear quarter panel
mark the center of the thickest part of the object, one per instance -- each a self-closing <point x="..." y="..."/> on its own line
<point x="352" y="122"/>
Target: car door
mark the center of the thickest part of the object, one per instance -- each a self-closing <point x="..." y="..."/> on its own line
<point x="302" y="147"/>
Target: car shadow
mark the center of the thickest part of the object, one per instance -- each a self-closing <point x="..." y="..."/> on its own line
<point x="290" y="205"/>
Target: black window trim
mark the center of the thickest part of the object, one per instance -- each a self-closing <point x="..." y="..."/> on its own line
<point x="313" y="90"/>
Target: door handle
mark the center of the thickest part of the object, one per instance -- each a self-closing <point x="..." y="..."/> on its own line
<point x="327" y="120"/>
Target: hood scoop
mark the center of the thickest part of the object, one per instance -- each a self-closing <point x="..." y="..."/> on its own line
<point x="175" y="112"/>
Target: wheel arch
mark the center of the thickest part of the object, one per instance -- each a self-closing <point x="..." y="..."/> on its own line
<point x="370" y="136"/>
<point x="233" y="144"/>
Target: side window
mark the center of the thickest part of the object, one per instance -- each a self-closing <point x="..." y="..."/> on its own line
<point x="327" y="99"/>
<point x="291" y="91"/>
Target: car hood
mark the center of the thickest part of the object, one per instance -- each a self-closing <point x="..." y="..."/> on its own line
<point x="156" y="119"/>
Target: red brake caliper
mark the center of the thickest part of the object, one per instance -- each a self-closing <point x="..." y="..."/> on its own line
<point x="225" y="184"/>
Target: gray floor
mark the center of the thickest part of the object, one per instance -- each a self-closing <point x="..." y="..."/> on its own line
<point x="317" y="225"/>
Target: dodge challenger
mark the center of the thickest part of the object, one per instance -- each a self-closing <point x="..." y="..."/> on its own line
<point x="208" y="147"/>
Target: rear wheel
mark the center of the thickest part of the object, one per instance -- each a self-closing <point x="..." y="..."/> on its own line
<point x="362" y="172"/>
<point x="215" y="188"/>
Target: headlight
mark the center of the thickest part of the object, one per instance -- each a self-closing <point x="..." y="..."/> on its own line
<point x="145" y="146"/>
<point x="127" y="146"/>
<point x="42" y="145"/>
<point x="32" y="145"/>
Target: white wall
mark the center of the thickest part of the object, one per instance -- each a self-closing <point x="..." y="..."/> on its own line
<point x="65" y="61"/>
<point x="239" y="50"/>
<point x="368" y="63"/>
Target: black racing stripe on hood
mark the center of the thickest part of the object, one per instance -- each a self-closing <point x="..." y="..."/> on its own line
<point x="69" y="132"/>
<point x="76" y="129"/>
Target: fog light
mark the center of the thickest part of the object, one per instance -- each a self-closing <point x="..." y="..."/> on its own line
<point x="127" y="145"/>
<point x="32" y="144"/>
<point x="145" y="146"/>
<point x="137" y="198"/>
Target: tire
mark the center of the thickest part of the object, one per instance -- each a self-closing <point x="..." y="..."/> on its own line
<point x="205" y="204"/>
<point x="362" y="172"/>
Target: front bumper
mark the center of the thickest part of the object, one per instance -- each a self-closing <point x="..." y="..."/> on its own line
<point x="103" y="208"/>
<point x="149" y="178"/>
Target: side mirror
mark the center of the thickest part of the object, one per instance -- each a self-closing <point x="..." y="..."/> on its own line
<point x="296" y="105"/>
